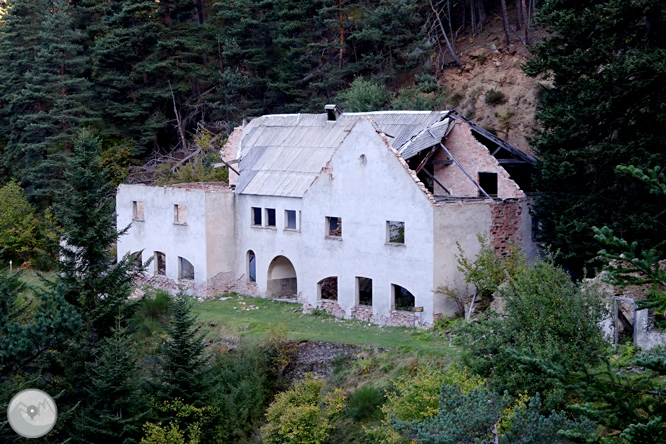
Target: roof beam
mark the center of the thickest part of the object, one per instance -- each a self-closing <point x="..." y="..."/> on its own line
<point x="463" y="170"/>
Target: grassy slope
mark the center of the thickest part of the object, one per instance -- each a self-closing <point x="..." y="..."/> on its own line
<point x="233" y="320"/>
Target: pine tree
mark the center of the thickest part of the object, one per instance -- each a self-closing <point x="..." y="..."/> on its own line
<point x="607" y="62"/>
<point x="94" y="282"/>
<point x="46" y="96"/>
<point x="116" y="410"/>
<point x="183" y="361"/>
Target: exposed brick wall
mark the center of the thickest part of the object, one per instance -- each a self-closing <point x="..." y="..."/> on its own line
<point x="219" y="284"/>
<point x="475" y="158"/>
<point x="505" y="226"/>
<point x="230" y="151"/>
<point x="332" y="308"/>
<point x="362" y="313"/>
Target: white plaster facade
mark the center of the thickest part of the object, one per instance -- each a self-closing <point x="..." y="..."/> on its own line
<point x="349" y="168"/>
<point x="208" y="223"/>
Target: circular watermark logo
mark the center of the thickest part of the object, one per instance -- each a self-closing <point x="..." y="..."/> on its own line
<point x="32" y="413"/>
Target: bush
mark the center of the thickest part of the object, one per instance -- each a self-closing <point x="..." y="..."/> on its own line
<point x="365" y="403"/>
<point x="415" y="398"/>
<point x="152" y="314"/>
<point x="365" y="95"/>
<point x="494" y="97"/>
<point x="19" y="227"/>
<point x="548" y="318"/>
<point x="303" y="414"/>
<point x="242" y="384"/>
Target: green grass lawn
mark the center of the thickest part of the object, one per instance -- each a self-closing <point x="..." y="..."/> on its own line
<point x="235" y="318"/>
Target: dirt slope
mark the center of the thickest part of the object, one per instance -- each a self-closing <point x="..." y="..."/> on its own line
<point x="489" y="65"/>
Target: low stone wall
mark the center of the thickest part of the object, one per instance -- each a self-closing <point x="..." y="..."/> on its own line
<point x="217" y="285"/>
<point x="332" y="308"/>
<point x="362" y="312"/>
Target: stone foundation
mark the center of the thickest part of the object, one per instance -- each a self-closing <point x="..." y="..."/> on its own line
<point x="362" y="312"/>
<point x="332" y="308"/>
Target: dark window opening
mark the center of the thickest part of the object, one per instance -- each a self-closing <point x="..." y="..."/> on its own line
<point x="403" y="299"/>
<point x="328" y="289"/>
<point x="186" y="269"/>
<point x="270" y="217"/>
<point x="160" y="263"/>
<point x="364" y="291"/>
<point x="256" y="216"/>
<point x="334" y="226"/>
<point x="290" y="220"/>
<point x="488" y="181"/>
<point x="252" y="266"/>
<point x="395" y="232"/>
<point x="137" y="258"/>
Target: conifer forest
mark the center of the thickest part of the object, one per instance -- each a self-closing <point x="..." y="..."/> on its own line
<point x="95" y="93"/>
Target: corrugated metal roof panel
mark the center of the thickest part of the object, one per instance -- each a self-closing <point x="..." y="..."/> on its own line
<point x="283" y="154"/>
<point x="428" y="137"/>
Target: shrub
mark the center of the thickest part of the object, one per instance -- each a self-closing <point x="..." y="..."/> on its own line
<point x="303" y="414"/>
<point x="242" y="383"/>
<point x="548" y="318"/>
<point x="365" y="403"/>
<point x="152" y="313"/>
<point x="365" y="95"/>
<point x="19" y="226"/>
<point x="494" y="97"/>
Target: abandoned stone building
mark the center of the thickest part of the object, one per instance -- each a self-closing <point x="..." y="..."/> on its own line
<point x="357" y="214"/>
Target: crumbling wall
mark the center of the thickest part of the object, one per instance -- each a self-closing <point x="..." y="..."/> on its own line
<point x="332" y="308"/>
<point x="362" y="313"/>
<point x="474" y="158"/>
<point x="505" y="227"/>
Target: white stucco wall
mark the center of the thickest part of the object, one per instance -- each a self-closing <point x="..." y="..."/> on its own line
<point x="365" y="197"/>
<point x="459" y="222"/>
<point x="158" y="232"/>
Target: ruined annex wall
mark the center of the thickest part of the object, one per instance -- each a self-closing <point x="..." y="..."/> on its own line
<point x="475" y="158"/>
<point x="158" y="231"/>
<point x="367" y="184"/>
<point x="220" y="235"/>
<point x="229" y="152"/>
<point x="456" y="222"/>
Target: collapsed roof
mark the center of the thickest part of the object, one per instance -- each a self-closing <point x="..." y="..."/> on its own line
<point x="281" y="155"/>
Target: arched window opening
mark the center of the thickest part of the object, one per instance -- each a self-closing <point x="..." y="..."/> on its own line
<point x="251" y="266"/>
<point x="327" y="289"/>
<point x="402" y="298"/>
<point x="185" y="269"/>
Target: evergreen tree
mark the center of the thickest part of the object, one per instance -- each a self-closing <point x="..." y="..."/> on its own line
<point x="607" y="61"/>
<point x="183" y="362"/>
<point x="45" y="95"/>
<point x="93" y="281"/>
<point x="115" y="410"/>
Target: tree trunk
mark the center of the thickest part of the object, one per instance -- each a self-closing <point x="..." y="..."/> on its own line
<point x="446" y="38"/>
<point x="505" y="21"/>
<point x="519" y="15"/>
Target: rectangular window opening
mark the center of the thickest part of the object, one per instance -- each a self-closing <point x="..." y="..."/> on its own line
<point x="270" y="217"/>
<point x="364" y="291"/>
<point x="334" y="226"/>
<point x="160" y="263"/>
<point x="180" y="214"/>
<point x="488" y="181"/>
<point x="395" y="232"/>
<point x="256" y="216"/>
<point x="291" y="219"/>
<point x="137" y="210"/>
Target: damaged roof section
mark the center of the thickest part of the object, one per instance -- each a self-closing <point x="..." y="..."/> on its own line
<point x="282" y="155"/>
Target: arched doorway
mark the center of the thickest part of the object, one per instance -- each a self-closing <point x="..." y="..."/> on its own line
<point x="281" y="279"/>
